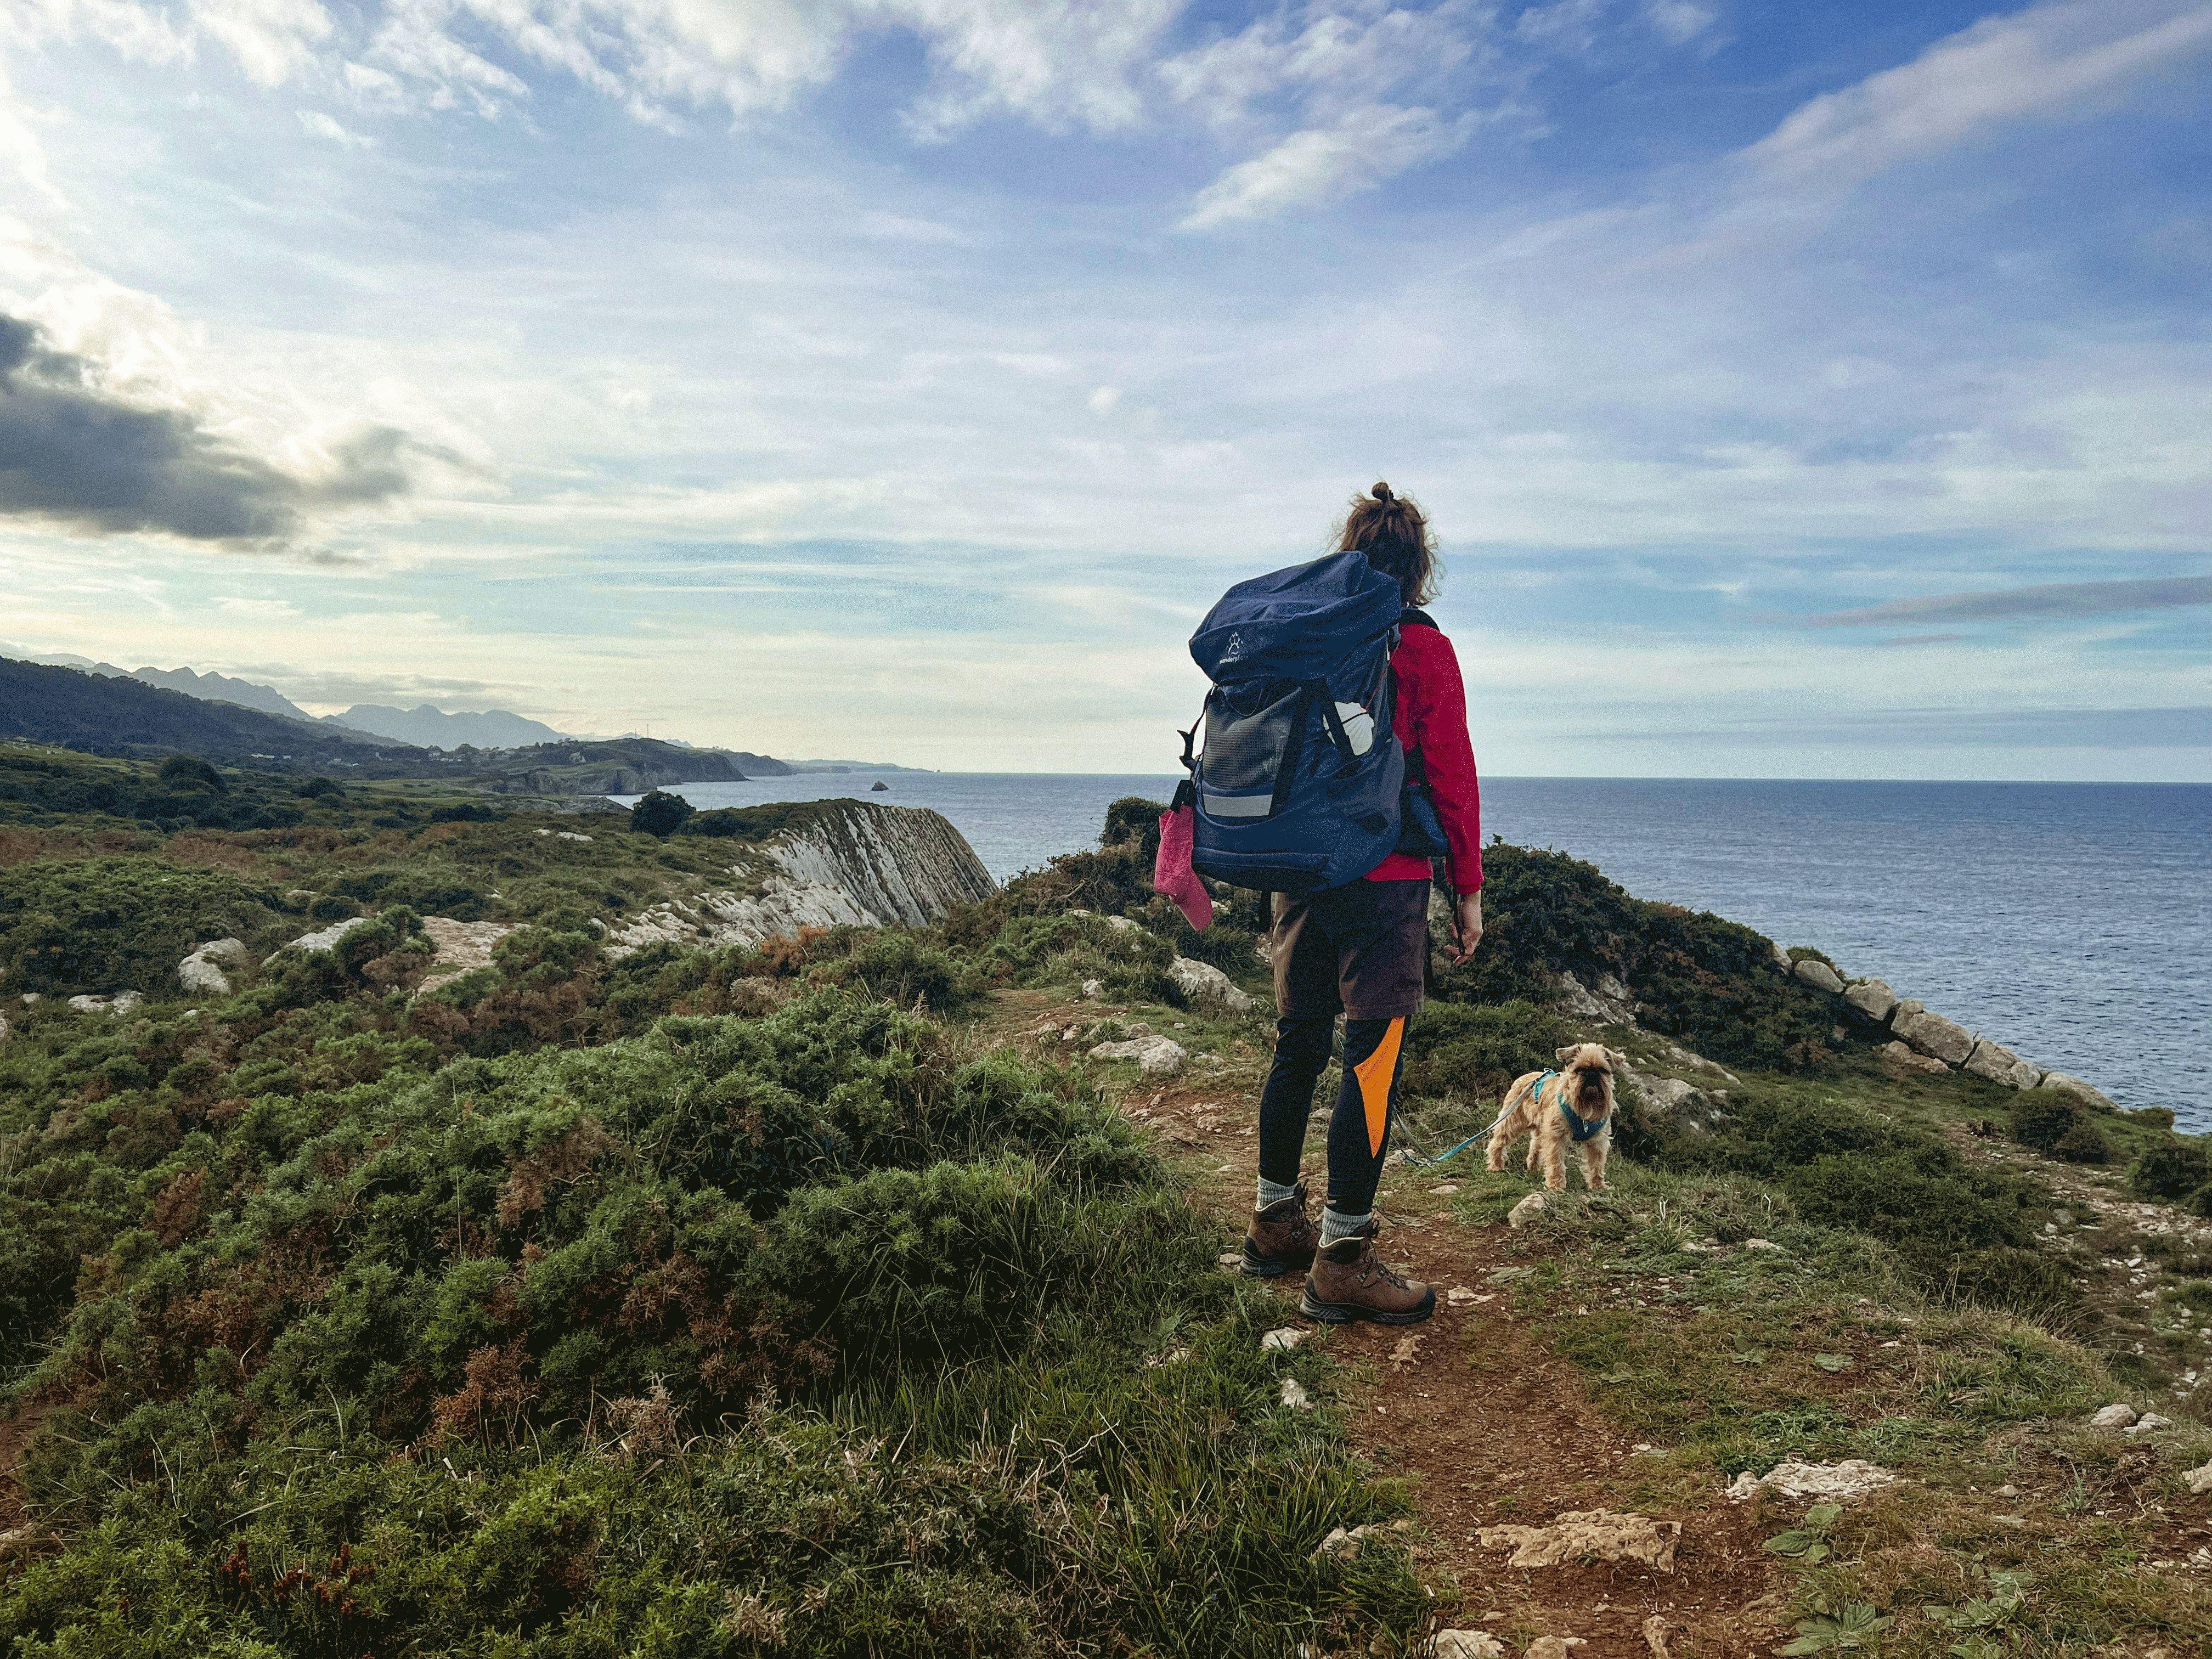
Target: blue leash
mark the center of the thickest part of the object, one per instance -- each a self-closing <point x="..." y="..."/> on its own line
<point x="1581" y="1128"/>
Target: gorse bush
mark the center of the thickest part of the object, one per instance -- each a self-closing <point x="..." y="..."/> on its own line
<point x="120" y="923"/>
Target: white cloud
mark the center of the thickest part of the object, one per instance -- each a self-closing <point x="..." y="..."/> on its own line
<point x="274" y="40"/>
<point x="1103" y="399"/>
<point x="1325" y="164"/>
<point x="323" y="126"/>
<point x="2050" y="62"/>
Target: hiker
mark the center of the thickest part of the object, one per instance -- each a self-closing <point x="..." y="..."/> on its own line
<point x="1359" y="948"/>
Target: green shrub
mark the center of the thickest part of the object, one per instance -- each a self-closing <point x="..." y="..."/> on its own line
<point x="1481" y="1049"/>
<point x="2085" y="1143"/>
<point x="191" y="769"/>
<point x="2172" y="1169"/>
<point x="659" y="813"/>
<point x="109" y="924"/>
<point x="2044" y="1118"/>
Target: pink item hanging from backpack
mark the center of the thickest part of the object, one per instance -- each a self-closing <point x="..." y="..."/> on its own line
<point x="1171" y="871"/>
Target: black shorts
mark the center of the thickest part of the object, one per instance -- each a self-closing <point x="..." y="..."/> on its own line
<point x="1358" y="950"/>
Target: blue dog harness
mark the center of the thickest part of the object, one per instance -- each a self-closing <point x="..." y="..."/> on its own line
<point x="1581" y="1128"/>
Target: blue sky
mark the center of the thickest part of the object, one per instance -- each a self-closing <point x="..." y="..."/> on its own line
<point x="1796" y="390"/>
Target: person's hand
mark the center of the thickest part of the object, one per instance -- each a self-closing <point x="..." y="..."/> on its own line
<point x="1467" y="919"/>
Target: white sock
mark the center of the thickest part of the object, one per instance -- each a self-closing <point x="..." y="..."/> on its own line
<point x="1335" y="1228"/>
<point x="1272" y="1192"/>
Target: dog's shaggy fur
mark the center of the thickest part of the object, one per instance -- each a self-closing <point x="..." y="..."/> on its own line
<point x="1586" y="1073"/>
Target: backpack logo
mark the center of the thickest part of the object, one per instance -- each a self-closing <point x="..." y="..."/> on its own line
<point x="1234" y="649"/>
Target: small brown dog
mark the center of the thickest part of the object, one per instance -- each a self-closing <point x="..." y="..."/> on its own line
<point x="1572" y="1103"/>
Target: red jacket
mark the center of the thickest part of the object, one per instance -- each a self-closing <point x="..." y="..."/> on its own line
<point x="1431" y="717"/>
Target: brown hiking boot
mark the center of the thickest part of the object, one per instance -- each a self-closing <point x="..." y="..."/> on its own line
<point x="1348" y="1282"/>
<point x="1280" y="1237"/>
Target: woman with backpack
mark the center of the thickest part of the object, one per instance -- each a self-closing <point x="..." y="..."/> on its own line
<point x="1358" y="948"/>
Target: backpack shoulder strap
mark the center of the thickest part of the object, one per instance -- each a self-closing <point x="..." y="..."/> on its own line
<point x="1410" y="615"/>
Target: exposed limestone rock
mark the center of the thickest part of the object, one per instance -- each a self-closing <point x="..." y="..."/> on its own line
<point x="1817" y="973"/>
<point x="1202" y="981"/>
<point x="2118" y="1415"/>
<point x="1933" y="1035"/>
<point x="462" y="946"/>
<point x="1286" y="1338"/>
<point x="324" y="938"/>
<point x="1691" y="1108"/>
<point x="2093" y="1098"/>
<point x="1906" y="1005"/>
<point x="1582" y="1533"/>
<point x="1898" y="1055"/>
<point x="1553" y="1647"/>
<point x="1852" y="1478"/>
<point x="1295" y="1397"/>
<point x="203" y="971"/>
<point x="852" y="863"/>
<point x="1871" y="999"/>
<point x="1525" y="1212"/>
<point x="2000" y="1065"/>
<point x="3" y="1028"/>
<point x="1343" y="1545"/>
<point x="1607" y="1003"/>
<point x="1156" y="1056"/>
<point x="114" y="1005"/>
<point x="1467" y="1644"/>
<point x="1782" y="958"/>
<point x="2199" y="1479"/>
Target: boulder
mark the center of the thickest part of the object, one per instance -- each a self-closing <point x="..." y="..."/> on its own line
<point x="204" y="970"/>
<point x="1898" y="1055"/>
<point x="1782" y="958"/>
<point x="2118" y="1415"/>
<point x="1467" y="1644"/>
<point x="1525" y="1212"/>
<point x="2199" y="1479"/>
<point x="1691" y="1108"/>
<point x="2091" y="1097"/>
<point x="1817" y="973"/>
<point x="1607" y="1003"/>
<point x="1935" y="1036"/>
<point x="2000" y="1065"/>
<point x="1871" y="999"/>
<point x="1202" y="981"/>
<point x="1156" y="1056"/>
<point x="1906" y="1005"/>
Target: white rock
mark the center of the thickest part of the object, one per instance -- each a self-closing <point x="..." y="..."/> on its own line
<point x="1817" y="973"/>
<point x="1460" y="1297"/>
<point x="1286" y="1338"/>
<point x="1873" y="999"/>
<point x="2081" y="1091"/>
<point x="1156" y="1056"/>
<point x="2199" y="1479"/>
<point x="1467" y="1644"/>
<point x="117" y="1003"/>
<point x="1760" y="1244"/>
<point x="1123" y="925"/>
<point x="2149" y="1422"/>
<point x="1525" y="1212"/>
<point x="1852" y="1478"/>
<point x="3" y="1028"/>
<point x="323" y="938"/>
<point x="203" y="970"/>
<point x="1295" y="1397"/>
<point x="2118" y="1415"/>
<point x="1551" y="1647"/>
<point x="1933" y="1035"/>
<point x="1690" y="1107"/>
<point x="1580" y="1002"/>
<point x="1782" y="958"/>
<point x="1093" y="990"/>
<point x="1202" y="981"/>
<point x="2000" y="1065"/>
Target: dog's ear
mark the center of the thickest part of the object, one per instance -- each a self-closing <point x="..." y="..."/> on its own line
<point x="1563" y="1055"/>
<point x="1616" y="1057"/>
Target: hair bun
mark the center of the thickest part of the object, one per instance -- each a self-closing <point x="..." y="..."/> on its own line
<point x="1381" y="492"/>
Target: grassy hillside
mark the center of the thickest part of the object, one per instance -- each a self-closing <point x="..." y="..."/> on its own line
<point x="792" y="1300"/>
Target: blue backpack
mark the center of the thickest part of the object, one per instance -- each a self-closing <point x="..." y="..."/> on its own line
<point x="1297" y="785"/>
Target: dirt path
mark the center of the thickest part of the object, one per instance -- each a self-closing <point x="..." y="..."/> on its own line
<point x="1473" y="1408"/>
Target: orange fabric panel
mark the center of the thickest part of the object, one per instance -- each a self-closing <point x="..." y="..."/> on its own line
<point x="1375" y="1074"/>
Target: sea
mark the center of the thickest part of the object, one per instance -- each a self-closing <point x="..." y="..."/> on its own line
<point x="2070" y="922"/>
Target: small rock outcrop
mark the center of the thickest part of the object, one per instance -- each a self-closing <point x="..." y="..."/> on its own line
<point x="1608" y="1002"/>
<point x="2094" y="1098"/>
<point x="324" y="938"/>
<point x="461" y="946"/>
<point x="1581" y="1534"/>
<point x="1910" y="1059"/>
<point x="844" y="863"/>
<point x="114" y="1004"/>
<point x="1202" y="981"/>
<point x="1156" y="1056"/>
<point x="208" y="969"/>
<point x="2118" y="1415"/>
<point x="1854" y="1477"/>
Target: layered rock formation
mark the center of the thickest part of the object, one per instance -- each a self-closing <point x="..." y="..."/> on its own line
<point x="838" y="863"/>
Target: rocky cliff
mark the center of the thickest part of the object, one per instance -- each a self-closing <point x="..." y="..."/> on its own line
<point x="834" y="863"/>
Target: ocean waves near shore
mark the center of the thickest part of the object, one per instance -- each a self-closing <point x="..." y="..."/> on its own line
<point x="2072" y="922"/>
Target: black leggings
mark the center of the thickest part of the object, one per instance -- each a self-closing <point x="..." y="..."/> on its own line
<point x="1358" y="1130"/>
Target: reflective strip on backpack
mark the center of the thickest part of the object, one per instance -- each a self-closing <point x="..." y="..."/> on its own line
<point x="1235" y="806"/>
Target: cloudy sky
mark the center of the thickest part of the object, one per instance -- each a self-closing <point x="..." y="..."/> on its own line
<point x="1798" y="390"/>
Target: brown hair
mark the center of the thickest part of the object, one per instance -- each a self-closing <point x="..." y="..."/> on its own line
<point x="1392" y="531"/>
